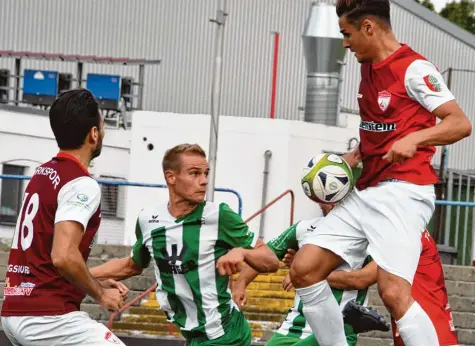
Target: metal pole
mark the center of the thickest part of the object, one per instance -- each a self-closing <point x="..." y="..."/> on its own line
<point x="79" y="74"/>
<point x="264" y="195"/>
<point x="140" y="94"/>
<point x="216" y="93"/>
<point x="440" y="192"/>
<point x="275" y="74"/>
<point x="17" y="80"/>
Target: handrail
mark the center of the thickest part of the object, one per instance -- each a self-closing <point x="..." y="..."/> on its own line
<point x="264" y="208"/>
<point x="272" y="202"/>
<point x="129" y="304"/>
<point x="136" y="184"/>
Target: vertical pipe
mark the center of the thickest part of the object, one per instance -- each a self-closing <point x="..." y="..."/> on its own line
<point x="79" y="74"/>
<point x="140" y="94"/>
<point x="216" y="94"/>
<point x="466" y="221"/>
<point x="17" y="80"/>
<point x="267" y="158"/>
<point x="458" y="208"/>
<point x="448" y="209"/>
<point x="275" y="75"/>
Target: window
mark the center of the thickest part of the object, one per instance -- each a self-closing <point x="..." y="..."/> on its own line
<point x="111" y="197"/>
<point x="11" y="194"/>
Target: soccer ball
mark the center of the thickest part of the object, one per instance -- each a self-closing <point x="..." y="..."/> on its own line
<point x="327" y="179"/>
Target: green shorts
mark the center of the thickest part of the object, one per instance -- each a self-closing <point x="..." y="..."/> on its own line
<point x="284" y="340"/>
<point x="237" y="333"/>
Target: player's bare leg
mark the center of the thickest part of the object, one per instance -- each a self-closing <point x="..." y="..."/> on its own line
<point x="415" y="327"/>
<point x="309" y="270"/>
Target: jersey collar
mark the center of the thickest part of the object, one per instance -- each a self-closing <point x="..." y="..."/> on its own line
<point x="70" y="157"/>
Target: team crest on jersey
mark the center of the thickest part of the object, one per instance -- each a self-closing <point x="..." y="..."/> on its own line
<point x="384" y="100"/>
<point x="112" y="338"/>
<point x="432" y="83"/>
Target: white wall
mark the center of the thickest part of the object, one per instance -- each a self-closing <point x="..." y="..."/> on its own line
<point x="240" y="163"/>
<point x="25" y="135"/>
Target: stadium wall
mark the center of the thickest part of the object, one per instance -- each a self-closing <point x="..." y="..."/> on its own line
<point x="180" y="33"/>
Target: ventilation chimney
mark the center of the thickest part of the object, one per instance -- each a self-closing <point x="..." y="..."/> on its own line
<point x="324" y="56"/>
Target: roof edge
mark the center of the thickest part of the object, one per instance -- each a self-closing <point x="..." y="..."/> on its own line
<point x="436" y="20"/>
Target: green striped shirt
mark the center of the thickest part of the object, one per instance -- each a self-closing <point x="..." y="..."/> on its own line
<point x="185" y="251"/>
<point x="295" y="324"/>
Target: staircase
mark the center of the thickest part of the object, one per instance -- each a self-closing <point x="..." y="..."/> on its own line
<point x="266" y="306"/>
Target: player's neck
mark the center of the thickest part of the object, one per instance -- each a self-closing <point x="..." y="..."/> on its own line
<point x="385" y="48"/>
<point x="80" y="155"/>
<point x="179" y="207"/>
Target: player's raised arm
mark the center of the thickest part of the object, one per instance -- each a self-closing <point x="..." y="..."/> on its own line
<point x="245" y="246"/>
<point x="77" y="201"/>
<point x="133" y="265"/>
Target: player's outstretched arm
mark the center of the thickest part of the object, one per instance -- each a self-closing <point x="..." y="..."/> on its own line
<point x="68" y="260"/>
<point x="117" y="269"/>
<point x="353" y="158"/>
<point x="260" y="258"/>
<point x="354" y="280"/>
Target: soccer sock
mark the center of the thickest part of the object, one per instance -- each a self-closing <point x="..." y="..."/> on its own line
<point x="323" y="314"/>
<point x="416" y="328"/>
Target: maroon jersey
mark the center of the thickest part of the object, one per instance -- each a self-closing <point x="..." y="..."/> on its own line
<point x="396" y="97"/>
<point x="60" y="190"/>
<point x="429" y="290"/>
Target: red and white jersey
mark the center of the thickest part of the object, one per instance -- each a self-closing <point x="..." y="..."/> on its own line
<point x="429" y="290"/>
<point x="396" y="97"/>
<point x="60" y="190"/>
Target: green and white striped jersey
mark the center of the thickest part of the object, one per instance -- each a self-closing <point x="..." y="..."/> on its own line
<point x="295" y="324"/>
<point x="185" y="252"/>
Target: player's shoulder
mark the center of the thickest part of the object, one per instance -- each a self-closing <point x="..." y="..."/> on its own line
<point x="153" y="212"/>
<point x="308" y="225"/>
<point x="86" y="186"/>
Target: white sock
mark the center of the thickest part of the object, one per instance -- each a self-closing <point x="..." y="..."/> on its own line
<point x="323" y="314"/>
<point x="416" y="328"/>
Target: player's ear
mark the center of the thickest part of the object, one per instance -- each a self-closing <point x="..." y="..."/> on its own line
<point x="170" y="177"/>
<point x="93" y="135"/>
<point x="368" y="26"/>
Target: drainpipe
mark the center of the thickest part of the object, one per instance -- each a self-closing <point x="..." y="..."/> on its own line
<point x="267" y="159"/>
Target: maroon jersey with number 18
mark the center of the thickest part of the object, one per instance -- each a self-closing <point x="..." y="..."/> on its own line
<point x="60" y="190"/>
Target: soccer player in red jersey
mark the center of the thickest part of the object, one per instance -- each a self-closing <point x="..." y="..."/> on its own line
<point x="47" y="277"/>
<point x="400" y="96"/>
<point x="429" y="290"/>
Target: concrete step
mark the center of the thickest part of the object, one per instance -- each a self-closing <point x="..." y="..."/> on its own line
<point x="373" y="341"/>
<point x="459" y="273"/>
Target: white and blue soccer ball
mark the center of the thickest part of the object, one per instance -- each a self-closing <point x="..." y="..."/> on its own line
<point x="327" y="178"/>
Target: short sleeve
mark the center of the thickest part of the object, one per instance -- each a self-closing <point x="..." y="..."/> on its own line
<point x="139" y="253"/>
<point x="425" y="85"/>
<point x="233" y="230"/>
<point x="78" y="200"/>
<point x="287" y="240"/>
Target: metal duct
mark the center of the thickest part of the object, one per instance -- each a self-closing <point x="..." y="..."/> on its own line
<point x="324" y="56"/>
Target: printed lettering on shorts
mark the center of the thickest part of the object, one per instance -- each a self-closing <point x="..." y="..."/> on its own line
<point x="450" y="314"/>
<point x="18" y="269"/>
<point x="25" y="288"/>
<point x="111" y="338"/>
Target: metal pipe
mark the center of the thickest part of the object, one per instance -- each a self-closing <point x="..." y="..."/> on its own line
<point x="17" y="80"/>
<point x="140" y="93"/>
<point x="466" y="221"/>
<point x="448" y="209"/>
<point x="267" y="159"/>
<point x="79" y="73"/>
<point x="275" y="75"/>
<point x="216" y="94"/>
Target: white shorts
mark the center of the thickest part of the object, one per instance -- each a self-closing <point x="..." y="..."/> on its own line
<point x="71" y="329"/>
<point x="385" y="220"/>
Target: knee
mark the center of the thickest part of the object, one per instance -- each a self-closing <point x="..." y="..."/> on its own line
<point x="301" y="276"/>
<point x="396" y="298"/>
